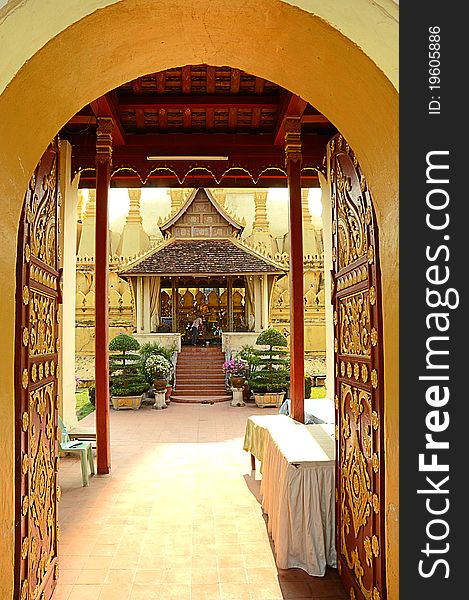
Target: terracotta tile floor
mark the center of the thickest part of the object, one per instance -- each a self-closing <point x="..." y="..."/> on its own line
<point x="179" y="516"/>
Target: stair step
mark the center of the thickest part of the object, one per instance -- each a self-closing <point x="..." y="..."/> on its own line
<point x="200" y="399"/>
<point x="200" y="392"/>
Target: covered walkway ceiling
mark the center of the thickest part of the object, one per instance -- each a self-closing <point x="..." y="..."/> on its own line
<point x="197" y="112"/>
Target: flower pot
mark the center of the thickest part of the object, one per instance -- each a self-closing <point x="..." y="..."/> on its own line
<point x="159" y="384"/>
<point x="273" y="399"/>
<point x="169" y="389"/>
<point x="237" y="382"/>
<point x="123" y="402"/>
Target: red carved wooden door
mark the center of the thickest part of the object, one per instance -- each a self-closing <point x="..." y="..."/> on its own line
<point x="358" y="379"/>
<point x="36" y="385"/>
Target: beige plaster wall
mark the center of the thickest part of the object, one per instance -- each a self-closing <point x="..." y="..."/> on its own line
<point x="45" y="79"/>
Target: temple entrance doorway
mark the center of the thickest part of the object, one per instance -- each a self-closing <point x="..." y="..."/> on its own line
<point x="185" y="302"/>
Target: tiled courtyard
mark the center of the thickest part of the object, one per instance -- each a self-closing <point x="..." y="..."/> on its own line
<point x="178" y="518"/>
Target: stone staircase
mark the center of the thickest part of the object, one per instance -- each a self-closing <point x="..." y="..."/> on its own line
<point x="199" y="376"/>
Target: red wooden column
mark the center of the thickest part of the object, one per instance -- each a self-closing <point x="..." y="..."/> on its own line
<point x="293" y="166"/>
<point x="101" y="282"/>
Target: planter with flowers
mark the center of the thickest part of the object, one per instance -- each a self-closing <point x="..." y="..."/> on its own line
<point x="158" y="369"/>
<point x="236" y="370"/>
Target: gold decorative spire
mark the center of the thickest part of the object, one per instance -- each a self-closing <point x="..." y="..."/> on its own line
<point x="307" y="222"/>
<point x="177" y="199"/>
<point x="134" y="215"/>
<point x="90" y="209"/>
<point x="80" y="205"/>
<point x="261" y="222"/>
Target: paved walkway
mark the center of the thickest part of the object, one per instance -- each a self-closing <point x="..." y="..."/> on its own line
<point x="179" y="517"/>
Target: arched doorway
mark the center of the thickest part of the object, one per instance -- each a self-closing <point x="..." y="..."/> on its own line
<point x="29" y="124"/>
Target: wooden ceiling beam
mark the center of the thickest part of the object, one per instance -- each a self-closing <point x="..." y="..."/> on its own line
<point x="128" y="102"/>
<point x="293" y="106"/>
<point x="140" y="119"/>
<point x="232" y="118"/>
<point x="314" y="119"/>
<point x="235" y="81"/>
<point x="187" y="119"/>
<point x="105" y="107"/>
<point x="163" y="119"/>
<point x="209" y="119"/>
<point x="211" y="84"/>
<point x="82" y="120"/>
<point x="259" y="85"/>
<point x="255" y="118"/>
<point x="137" y="86"/>
<point x="161" y="82"/>
<point x="186" y="82"/>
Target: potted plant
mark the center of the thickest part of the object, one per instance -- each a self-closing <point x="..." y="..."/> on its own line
<point x="270" y="372"/>
<point x="126" y="377"/>
<point x="158" y="369"/>
<point x="236" y="370"/>
<point x="152" y="348"/>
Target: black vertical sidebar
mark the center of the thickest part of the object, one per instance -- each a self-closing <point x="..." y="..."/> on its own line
<point x="434" y="267"/>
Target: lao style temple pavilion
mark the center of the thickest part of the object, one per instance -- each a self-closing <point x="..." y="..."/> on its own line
<point x="202" y="269"/>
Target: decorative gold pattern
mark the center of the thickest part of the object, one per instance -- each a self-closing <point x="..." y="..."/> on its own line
<point x="374" y="378"/>
<point x="25" y="421"/>
<point x="374" y="336"/>
<point x="375" y="462"/>
<point x="25" y="336"/>
<point x="25" y="295"/>
<point x="354" y="325"/>
<point x="43" y="209"/>
<point x="24" y="590"/>
<point x="25" y="548"/>
<point x="27" y="253"/>
<point x="42" y="328"/>
<point x="352" y="239"/>
<point x="372" y="295"/>
<point x="371" y="254"/>
<point x="24" y="505"/>
<point x="25" y="464"/>
<point x="25" y="379"/>
<point x="352" y="277"/>
<point x="34" y="372"/>
<point x="364" y="373"/>
<point x="356" y="371"/>
<point x="357" y="486"/>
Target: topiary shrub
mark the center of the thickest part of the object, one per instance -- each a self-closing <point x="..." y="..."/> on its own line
<point x="270" y="371"/>
<point x="126" y="376"/>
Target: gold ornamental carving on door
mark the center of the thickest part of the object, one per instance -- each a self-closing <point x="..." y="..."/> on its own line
<point x="356" y="300"/>
<point x="38" y="285"/>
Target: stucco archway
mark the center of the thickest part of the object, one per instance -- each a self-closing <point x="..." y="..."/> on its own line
<point x="77" y="54"/>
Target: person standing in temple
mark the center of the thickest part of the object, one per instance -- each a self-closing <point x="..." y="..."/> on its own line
<point x="195" y="330"/>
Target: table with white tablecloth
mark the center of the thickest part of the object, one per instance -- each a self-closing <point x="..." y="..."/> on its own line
<point x="298" y="495"/>
<point x="256" y="427"/>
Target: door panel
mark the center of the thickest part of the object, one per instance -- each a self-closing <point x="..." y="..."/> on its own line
<point x="37" y="372"/>
<point x="356" y="299"/>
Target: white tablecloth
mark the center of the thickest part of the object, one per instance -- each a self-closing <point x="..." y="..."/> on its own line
<point x="298" y="495"/>
<point x="256" y="427"/>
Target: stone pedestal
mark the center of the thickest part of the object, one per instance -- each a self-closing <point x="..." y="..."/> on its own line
<point x="160" y="400"/>
<point x="237" y="397"/>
